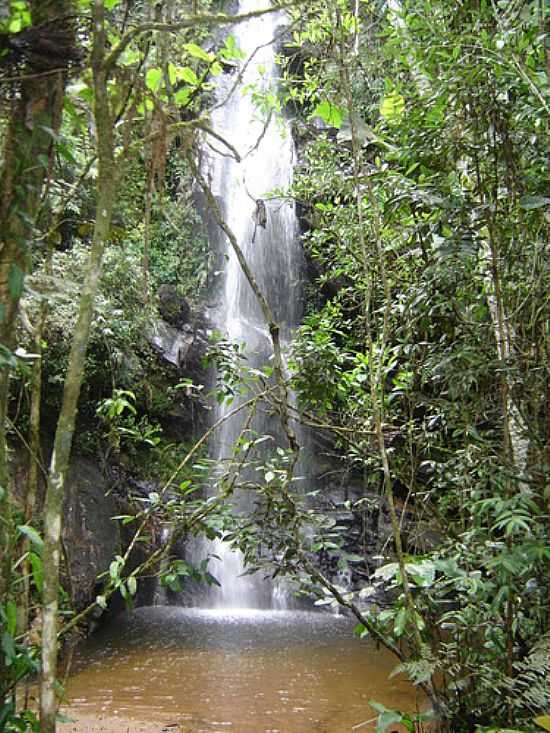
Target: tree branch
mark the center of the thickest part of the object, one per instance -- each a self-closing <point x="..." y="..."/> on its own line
<point x="191" y="22"/>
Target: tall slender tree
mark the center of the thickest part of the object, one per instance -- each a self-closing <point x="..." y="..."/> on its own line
<point x="36" y="60"/>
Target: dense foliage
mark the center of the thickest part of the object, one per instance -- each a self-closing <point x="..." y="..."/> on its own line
<point x="427" y="212"/>
<point x="422" y="360"/>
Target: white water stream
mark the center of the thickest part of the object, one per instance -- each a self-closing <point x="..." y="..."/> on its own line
<point x="273" y="252"/>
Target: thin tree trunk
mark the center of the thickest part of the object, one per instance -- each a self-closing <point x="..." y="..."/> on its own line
<point x="35" y="466"/>
<point x="376" y="360"/>
<point x="5" y="526"/>
<point x="147" y="235"/>
<point x="107" y="184"/>
<point x="27" y="155"/>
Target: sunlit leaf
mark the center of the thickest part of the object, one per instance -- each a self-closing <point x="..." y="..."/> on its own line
<point x="11" y="617"/>
<point x="37" y="571"/>
<point x="392" y="107"/>
<point x="198" y="52"/>
<point x="153" y="79"/>
<point x="188" y="75"/>
<point x="331" y="114"/>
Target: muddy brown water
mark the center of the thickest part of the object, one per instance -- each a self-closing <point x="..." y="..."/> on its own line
<point x="237" y="672"/>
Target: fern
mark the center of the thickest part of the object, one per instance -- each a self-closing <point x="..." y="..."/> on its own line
<point x="418" y="670"/>
<point x="531" y="686"/>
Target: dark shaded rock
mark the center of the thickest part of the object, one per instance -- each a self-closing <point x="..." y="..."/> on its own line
<point x="174" y="309"/>
<point x="90" y="535"/>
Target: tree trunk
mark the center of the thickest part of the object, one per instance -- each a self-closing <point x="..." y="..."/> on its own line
<point x="107" y="185"/>
<point x="27" y="155"/>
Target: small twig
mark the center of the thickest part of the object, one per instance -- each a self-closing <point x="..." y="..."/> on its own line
<point x="365" y="722"/>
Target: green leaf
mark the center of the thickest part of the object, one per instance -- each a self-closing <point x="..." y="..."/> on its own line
<point x="81" y="90"/>
<point x="543" y="721"/>
<point x="172" y="73"/>
<point x="65" y="152"/>
<point x="379" y="707"/>
<point x="188" y="75"/>
<point x="153" y="79"/>
<point x="392" y="107"/>
<point x="101" y="602"/>
<point x="400" y="622"/>
<point x="31" y="534"/>
<point x="110" y="4"/>
<point x="198" y="52"/>
<point x="231" y="50"/>
<point x="386" y="717"/>
<point x="11" y="617"/>
<point x="387" y="572"/>
<point x="172" y="581"/>
<point x="329" y="113"/>
<point x="8" y="646"/>
<point x="147" y="105"/>
<point x="114" y="569"/>
<point x="130" y="57"/>
<point x="181" y="97"/>
<point x="37" y="571"/>
<point x="533" y="202"/>
<point x="132" y="585"/>
<point x="422" y="573"/>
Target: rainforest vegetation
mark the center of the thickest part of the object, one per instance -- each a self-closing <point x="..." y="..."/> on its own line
<point x="421" y="366"/>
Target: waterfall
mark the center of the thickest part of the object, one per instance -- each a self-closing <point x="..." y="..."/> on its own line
<point x="266" y="229"/>
<point x="166" y="533"/>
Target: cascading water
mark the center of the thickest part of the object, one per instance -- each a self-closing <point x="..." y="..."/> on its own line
<point x="202" y="669"/>
<point x="267" y="233"/>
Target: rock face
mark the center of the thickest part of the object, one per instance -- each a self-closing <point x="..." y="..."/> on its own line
<point x="90" y="535"/>
<point x="180" y="337"/>
<point x="173" y="308"/>
<point x="172" y="344"/>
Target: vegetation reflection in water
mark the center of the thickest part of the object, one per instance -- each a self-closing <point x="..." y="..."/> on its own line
<point x="244" y="671"/>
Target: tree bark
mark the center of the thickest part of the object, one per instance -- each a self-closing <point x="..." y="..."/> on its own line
<point x="107" y="185"/>
<point x="28" y="148"/>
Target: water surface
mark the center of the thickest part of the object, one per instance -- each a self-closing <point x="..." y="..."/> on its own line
<point x="236" y="671"/>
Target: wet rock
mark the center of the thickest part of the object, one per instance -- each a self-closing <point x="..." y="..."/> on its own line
<point x="172" y="344"/>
